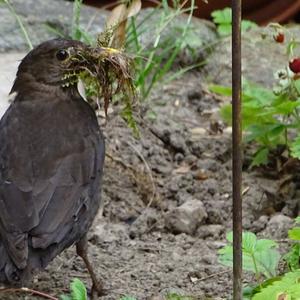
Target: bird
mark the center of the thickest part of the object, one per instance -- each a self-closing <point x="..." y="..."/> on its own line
<point x="51" y="164"/>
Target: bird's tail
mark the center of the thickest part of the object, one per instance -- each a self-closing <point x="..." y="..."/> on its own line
<point x="9" y="274"/>
<point x="3" y="261"/>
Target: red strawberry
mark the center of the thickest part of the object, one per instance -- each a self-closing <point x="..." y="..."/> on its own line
<point x="294" y="65"/>
<point x="279" y="37"/>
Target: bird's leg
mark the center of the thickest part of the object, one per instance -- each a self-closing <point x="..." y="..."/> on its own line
<point x="82" y="251"/>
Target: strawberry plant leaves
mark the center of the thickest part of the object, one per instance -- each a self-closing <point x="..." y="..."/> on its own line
<point x="259" y="256"/>
<point x="292" y="257"/>
<point x="286" y="288"/>
<point x="294" y="234"/>
<point x="247" y="25"/>
<point x="78" y="290"/>
<point x="221" y="90"/>
<point x="260" y="157"/>
<point x="295" y="147"/>
<point x="222" y="16"/>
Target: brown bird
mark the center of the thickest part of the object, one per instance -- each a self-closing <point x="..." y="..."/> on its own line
<point x="51" y="161"/>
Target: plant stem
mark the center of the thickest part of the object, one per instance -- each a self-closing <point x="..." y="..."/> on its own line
<point x="255" y="266"/>
<point x="23" y="29"/>
<point x="76" y="16"/>
<point x="26" y="290"/>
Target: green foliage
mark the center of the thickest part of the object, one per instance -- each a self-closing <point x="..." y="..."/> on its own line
<point x="78" y="291"/>
<point x="77" y="33"/>
<point x="127" y="115"/>
<point x="223" y="19"/>
<point x="295" y="147"/>
<point x="293" y="256"/>
<point x="286" y="287"/>
<point x="127" y="298"/>
<point x="294" y="234"/>
<point x="259" y="255"/>
<point x="267" y="118"/>
<point x="154" y="61"/>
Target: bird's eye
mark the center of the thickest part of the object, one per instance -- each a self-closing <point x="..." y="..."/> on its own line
<point x="62" y="54"/>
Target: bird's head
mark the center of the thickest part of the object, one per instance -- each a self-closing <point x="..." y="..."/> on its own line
<point x="47" y="65"/>
<point x="57" y="65"/>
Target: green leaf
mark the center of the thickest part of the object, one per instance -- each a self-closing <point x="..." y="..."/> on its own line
<point x="127" y="298"/>
<point x="295" y="147"/>
<point x="267" y="262"/>
<point x="292" y="257"/>
<point x="284" y="108"/>
<point x="297" y="219"/>
<point x="259" y="256"/>
<point x="294" y="234"/>
<point x="64" y="297"/>
<point x="223" y="16"/>
<point x="260" y="157"/>
<point x="270" y="132"/>
<point x="264" y="244"/>
<point x="249" y="242"/>
<point x="224" y="29"/>
<point x="285" y="288"/>
<point x="78" y="290"/>
<point x="247" y="25"/>
<point x="226" y="114"/>
<point x="297" y="85"/>
<point x="221" y="90"/>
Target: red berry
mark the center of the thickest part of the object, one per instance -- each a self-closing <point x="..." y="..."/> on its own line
<point x="279" y="37"/>
<point x="294" y="65"/>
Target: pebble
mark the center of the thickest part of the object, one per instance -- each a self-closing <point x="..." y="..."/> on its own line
<point x="186" y="218"/>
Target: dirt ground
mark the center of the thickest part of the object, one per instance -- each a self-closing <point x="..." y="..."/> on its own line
<point x="184" y="154"/>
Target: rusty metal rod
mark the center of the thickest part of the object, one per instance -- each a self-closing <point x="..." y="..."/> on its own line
<point x="236" y="150"/>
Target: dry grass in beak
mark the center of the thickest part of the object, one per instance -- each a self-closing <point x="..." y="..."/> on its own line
<point x="105" y="72"/>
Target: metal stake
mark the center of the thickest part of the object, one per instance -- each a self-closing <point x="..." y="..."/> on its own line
<point x="236" y="150"/>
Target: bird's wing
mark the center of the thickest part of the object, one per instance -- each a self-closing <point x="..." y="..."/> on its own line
<point x="49" y="176"/>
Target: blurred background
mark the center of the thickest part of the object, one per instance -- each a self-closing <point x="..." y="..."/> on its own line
<point x="260" y="11"/>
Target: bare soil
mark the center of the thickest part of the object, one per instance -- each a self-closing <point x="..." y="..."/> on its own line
<point x="184" y="153"/>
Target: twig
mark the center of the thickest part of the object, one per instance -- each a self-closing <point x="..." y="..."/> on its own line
<point x="120" y="161"/>
<point x="213" y="275"/>
<point x="30" y="291"/>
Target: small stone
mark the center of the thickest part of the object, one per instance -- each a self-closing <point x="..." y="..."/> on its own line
<point x="179" y="157"/>
<point x="278" y="226"/>
<point x="210" y="231"/>
<point x="159" y="297"/>
<point x="143" y="223"/>
<point x="186" y="218"/>
<point x="260" y="224"/>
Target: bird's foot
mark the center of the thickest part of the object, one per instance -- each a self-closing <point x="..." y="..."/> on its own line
<point x="97" y="290"/>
